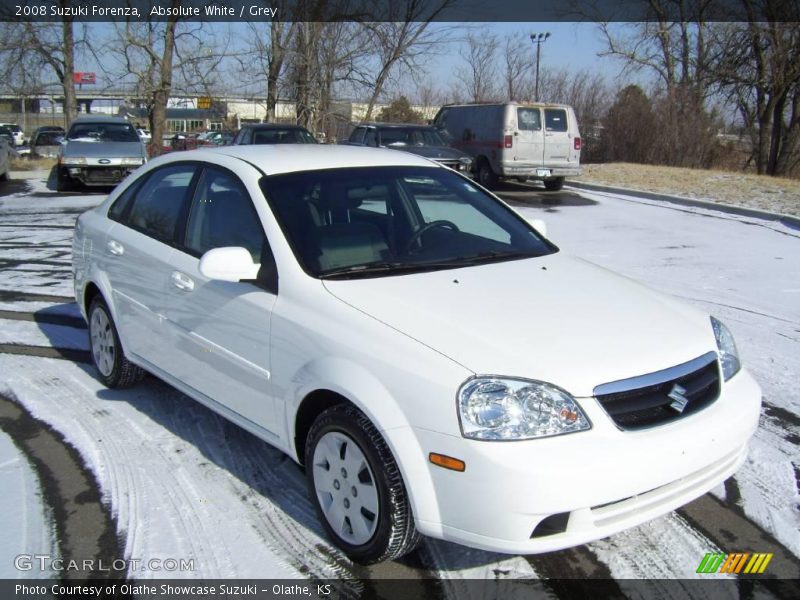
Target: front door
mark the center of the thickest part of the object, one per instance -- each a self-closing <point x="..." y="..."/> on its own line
<point x="221" y="330"/>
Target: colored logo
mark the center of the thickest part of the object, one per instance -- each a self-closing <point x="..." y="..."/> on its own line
<point x="737" y="562"/>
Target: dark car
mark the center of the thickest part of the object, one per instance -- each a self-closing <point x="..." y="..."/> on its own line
<point x="273" y="133"/>
<point x="6" y="133"/>
<point x="422" y="140"/>
<point x="46" y="142"/>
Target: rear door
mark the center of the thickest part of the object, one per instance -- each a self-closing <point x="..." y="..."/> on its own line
<point x="529" y="141"/>
<point x="135" y="255"/>
<point x="557" y="137"/>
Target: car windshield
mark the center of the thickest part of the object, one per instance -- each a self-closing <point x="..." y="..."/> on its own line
<point x="290" y="135"/>
<point x="48" y="138"/>
<point x="411" y="136"/>
<point x="377" y="221"/>
<point x="103" y="132"/>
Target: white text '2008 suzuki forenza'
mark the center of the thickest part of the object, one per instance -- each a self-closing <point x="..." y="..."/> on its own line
<point x="437" y="365"/>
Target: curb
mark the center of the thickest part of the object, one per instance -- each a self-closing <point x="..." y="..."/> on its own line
<point x="787" y="220"/>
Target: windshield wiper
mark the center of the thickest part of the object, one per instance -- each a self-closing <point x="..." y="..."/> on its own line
<point x="386" y="267"/>
<point x="494" y="256"/>
<point x="354" y="271"/>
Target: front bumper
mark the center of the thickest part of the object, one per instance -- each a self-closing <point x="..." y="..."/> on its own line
<point x="605" y="480"/>
<point x="98" y="176"/>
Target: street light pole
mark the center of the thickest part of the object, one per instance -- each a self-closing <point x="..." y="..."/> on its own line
<point x="538" y="39"/>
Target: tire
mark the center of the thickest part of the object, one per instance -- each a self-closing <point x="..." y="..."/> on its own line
<point x="4" y="176"/>
<point x="63" y="182"/>
<point x="553" y="185"/>
<point x="343" y="437"/>
<point x="113" y="368"/>
<point x="486" y="176"/>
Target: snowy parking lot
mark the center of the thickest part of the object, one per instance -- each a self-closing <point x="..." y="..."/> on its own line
<point x="177" y="481"/>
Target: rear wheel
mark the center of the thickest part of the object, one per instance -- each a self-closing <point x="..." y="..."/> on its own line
<point x="486" y="176"/>
<point x="356" y="487"/>
<point x="553" y="185"/>
<point x="114" y="369"/>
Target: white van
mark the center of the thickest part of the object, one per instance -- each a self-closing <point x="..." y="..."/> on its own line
<point x="523" y="141"/>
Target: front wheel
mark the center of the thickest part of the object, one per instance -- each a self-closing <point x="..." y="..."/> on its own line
<point x="486" y="176"/>
<point x="63" y="182"/>
<point x="114" y="369"/>
<point x="356" y="487"/>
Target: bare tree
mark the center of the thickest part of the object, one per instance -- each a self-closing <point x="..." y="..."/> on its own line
<point x="756" y="66"/>
<point x="53" y="46"/>
<point x="479" y="75"/>
<point x="517" y="63"/>
<point x="401" y="40"/>
<point x="151" y="53"/>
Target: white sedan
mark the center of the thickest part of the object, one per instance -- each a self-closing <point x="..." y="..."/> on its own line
<point x="437" y="365"/>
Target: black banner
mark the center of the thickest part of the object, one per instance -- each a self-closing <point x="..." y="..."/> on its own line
<point x="397" y="10"/>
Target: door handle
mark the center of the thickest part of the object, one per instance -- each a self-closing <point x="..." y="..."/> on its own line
<point x="115" y="248"/>
<point x="182" y="281"/>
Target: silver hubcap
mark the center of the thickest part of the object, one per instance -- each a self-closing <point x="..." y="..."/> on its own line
<point x="103" y="348"/>
<point x="345" y="488"/>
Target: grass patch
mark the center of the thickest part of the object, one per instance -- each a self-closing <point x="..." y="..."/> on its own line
<point x="32" y="164"/>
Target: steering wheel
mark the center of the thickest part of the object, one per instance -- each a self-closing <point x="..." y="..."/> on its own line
<point x="427" y="227"/>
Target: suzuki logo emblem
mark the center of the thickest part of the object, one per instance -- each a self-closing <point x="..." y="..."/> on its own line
<point x="679" y="400"/>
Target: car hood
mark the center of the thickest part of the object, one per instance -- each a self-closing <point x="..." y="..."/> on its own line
<point x="104" y="149"/>
<point x="555" y="318"/>
<point x="433" y="152"/>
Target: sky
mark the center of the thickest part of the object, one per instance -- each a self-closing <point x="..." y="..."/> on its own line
<point x="571" y="47"/>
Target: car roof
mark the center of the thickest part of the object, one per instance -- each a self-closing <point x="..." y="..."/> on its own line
<point x="289" y="158"/>
<point x="271" y="126"/>
<point x="379" y="124"/>
<point x="100" y="119"/>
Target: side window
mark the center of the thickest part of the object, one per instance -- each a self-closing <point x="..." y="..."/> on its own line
<point x="529" y="119"/>
<point x="117" y="210"/>
<point x="358" y="135"/>
<point x="222" y="215"/>
<point x="371" y="139"/>
<point x="247" y="134"/>
<point x="555" y="119"/>
<point x="158" y="202"/>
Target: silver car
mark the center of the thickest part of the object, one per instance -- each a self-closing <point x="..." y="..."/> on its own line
<point x="99" y="151"/>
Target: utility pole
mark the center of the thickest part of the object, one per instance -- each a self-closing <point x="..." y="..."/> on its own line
<point x="538" y="39"/>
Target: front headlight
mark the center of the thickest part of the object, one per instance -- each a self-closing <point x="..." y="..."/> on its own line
<point x="500" y="408"/>
<point x="728" y="354"/>
<point x="127" y="161"/>
<point x="72" y="160"/>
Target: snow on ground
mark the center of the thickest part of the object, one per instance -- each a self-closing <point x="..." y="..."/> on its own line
<point x="24" y="518"/>
<point x="42" y="334"/>
<point x="743" y="270"/>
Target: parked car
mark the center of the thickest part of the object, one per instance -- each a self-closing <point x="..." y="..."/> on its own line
<point x="99" y="151"/>
<point x="5" y="159"/>
<point x="7" y="135"/>
<point x="46" y="143"/>
<point x="16" y="132"/>
<point x="521" y="141"/>
<point x="417" y="139"/>
<point x="437" y="364"/>
<point x="273" y="133"/>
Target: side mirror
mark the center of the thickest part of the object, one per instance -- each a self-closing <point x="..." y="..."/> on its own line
<point x="228" y="264"/>
<point x="539" y="226"/>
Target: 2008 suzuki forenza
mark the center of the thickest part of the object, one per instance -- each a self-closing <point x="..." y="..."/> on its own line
<point x="438" y="366"/>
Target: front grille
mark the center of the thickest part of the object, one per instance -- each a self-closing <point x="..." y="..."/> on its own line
<point x="103" y="174"/>
<point x="634" y="406"/>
